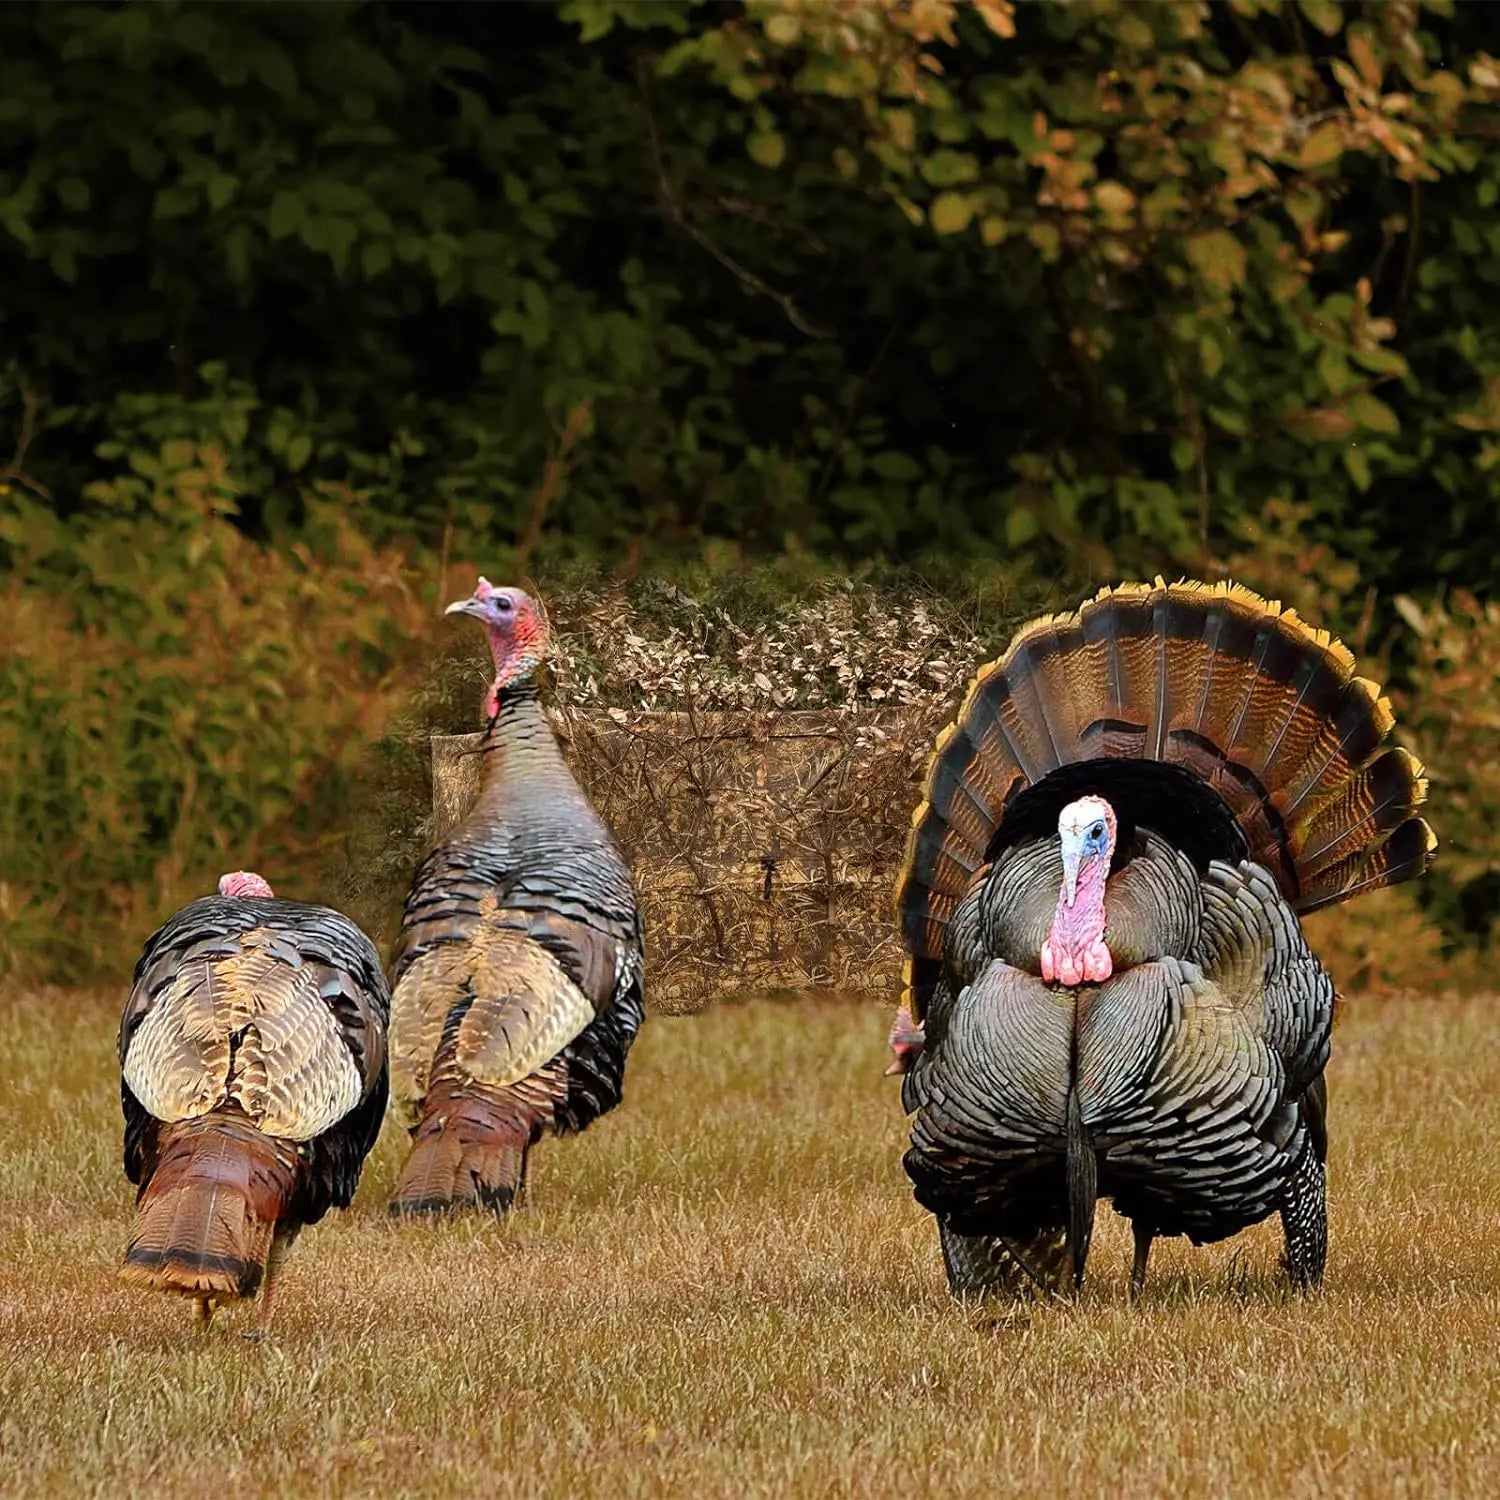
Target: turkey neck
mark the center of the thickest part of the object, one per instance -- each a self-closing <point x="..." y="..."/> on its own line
<point x="525" y="776"/>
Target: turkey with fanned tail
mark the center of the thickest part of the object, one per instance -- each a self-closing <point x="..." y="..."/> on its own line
<point x="1109" y="993"/>
<point x="253" y="1081"/>
<point x="517" y="977"/>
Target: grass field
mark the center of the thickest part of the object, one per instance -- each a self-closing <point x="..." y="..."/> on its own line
<point x="725" y="1289"/>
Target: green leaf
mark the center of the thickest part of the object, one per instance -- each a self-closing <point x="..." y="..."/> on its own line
<point x="1379" y="361"/>
<point x="339" y="240"/>
<point x="783" y="28"/>
<point x="73" y="194"/>
<point x="189" y="123"/>
<point x="175" y="202"/>
<point x="221" y="189"/>
<point x="275" y="70"/>
<point x="1326" y="15"/>
<point x="767" y="148"/>
<point x="288" y="213"/>
<point x="374" y="258"/>
<point x="1333" y="369"/>
<point x="1219" y="259"/>
<point x="237" y="245"/>
<point x="949" y="168"/>
<point x="1047" y="239"/>
<point x="1020" y="525"/>
<point x="1370" y="411"/>
<point x="951" y="212"/>
<point x="900" y="467"/>
<point x="1323" y="145"/>
<point x="534" y="300"/>
<point x="298" y="451"/>
<point x="1358" y="466"/>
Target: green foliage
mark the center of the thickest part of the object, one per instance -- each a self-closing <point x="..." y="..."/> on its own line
<point x="1454" y="720"/>
<point x="177" y="700"/>
<point x="1210" y="239"/>
<point x="1085" y="284"/>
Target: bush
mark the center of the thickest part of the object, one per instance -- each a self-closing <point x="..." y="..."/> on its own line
<point x="1454" y="719"/>
<point x="178" y="700"/>
<point x="211" y="702"/>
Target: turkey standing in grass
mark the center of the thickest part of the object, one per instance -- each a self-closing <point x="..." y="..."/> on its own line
<point x="1109" y="992"/>
<point x="517" y="977"/>
<point x="253" y="1080"/>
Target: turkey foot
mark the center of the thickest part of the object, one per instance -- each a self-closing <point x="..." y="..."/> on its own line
<point x="257" y="1333"/>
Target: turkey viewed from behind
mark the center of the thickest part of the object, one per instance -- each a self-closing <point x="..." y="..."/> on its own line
<point x="253" y="1080"/>
<point x="1109" y="990"/>
<point x="517" y="976"/>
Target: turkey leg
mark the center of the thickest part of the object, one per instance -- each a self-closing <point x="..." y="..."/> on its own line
<point x="281" y="1243"/>
<point x="1143" y="1238"/>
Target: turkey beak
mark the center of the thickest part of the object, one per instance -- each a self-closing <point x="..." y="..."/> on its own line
<point x="469" y="606"/>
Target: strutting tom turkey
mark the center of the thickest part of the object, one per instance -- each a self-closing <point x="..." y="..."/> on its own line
<point x="253" y="1080"/>
<point x="516" y="979"/>
<point x="1109" y="992"/>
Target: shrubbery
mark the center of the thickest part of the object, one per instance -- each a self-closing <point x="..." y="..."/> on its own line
<point x="273" y="707"/>
<point x="177" y="699"/>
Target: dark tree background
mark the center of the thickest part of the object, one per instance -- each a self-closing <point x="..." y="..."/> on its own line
<point x="851" y="279"/>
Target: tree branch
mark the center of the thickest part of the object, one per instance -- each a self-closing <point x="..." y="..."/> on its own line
<point x="673" y="208"/>
<point x="13" y="470"/>
<point x="554" y="471"/>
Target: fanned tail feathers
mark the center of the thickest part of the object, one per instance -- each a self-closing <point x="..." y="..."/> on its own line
<point x="207" y="1215"/>
<point x="1158" y="695"/>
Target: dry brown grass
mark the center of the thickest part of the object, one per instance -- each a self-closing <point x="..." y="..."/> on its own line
<point x="725" y="1289"/>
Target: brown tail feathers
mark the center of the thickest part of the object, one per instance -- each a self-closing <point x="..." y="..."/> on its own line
<point x="1228" y="724"/>
<point x="469" y="1151"/>
<point x="207" y="1213"/>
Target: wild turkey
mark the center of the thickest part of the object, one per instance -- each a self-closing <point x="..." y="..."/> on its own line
<point x="1100" y="905"/>
<point x="253" y="1080"/>
<point x="517" y="977"/>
